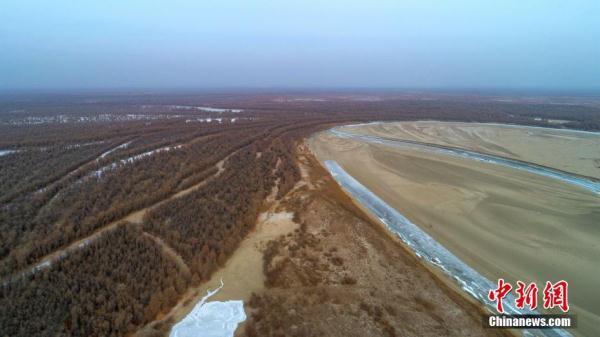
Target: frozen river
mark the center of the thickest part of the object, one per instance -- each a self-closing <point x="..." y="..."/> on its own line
<point x="425" y="247"/>
<point x="582" y="182"/>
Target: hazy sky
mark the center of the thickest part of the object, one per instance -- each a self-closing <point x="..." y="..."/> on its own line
<point x="246" y="43"/>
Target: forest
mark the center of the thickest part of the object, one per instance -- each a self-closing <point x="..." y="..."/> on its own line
<point x="118" y="282"/>
<point x="69" y="263"/>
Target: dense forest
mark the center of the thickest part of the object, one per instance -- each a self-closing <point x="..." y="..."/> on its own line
<point x="73" y="168"/>
<point x="108" y="289"/>
<point x="80" y="204"/>
<point x="205" y="226"/>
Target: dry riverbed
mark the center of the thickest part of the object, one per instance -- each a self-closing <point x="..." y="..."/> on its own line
<point x="568" y="150"/>
<point x="501" y="221"/>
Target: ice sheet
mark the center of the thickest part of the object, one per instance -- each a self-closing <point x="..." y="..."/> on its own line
<point x="211" y="319"/>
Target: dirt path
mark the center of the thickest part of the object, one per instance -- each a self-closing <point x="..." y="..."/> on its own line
<point x="134" y="217"/>
<point x="242" y="274"/>
<point x="85" y="165"/>
<point x="220" y="165"/>
<point x="169" y="252"/>
<point x="75" y="171"/>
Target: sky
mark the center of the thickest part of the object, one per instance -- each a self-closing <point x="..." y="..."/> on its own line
<point x="85" y="44"/>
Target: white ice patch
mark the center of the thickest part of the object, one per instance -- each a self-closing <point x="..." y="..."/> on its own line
<point x="122" y="146"/>
<point x="211" y="319"/>
<point x="6" y="152"/>
<point x="212" y="119"/>
<point x="75" y="146"/>
<point x="205" y="109"/>
<point x="98" y="173"/>
<point x="209" y="109"/>
<point x="43" y="265"/>
<point x="107" y="117"/>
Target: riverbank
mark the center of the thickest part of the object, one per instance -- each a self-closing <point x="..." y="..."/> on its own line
<point x="343" y="274"/>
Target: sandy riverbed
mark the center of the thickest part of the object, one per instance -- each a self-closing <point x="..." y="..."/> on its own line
<point x="570" y="151"/>
<point x="503" y="222"/>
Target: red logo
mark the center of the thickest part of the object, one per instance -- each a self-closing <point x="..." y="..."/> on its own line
<point x="526" y="296"/>
<point x="555" y="295"/>
<point x="499" y="294"/>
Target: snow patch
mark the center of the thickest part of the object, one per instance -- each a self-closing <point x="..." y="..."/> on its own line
<point x="205" y="108"/>
<point x="98" y="173"/>
<point x="276" y="217"/>
<point x="212" y="119"/>
<point x="105" y="117"/>
<point x="211" y="319"/>
<point x="75" y="146"/>
<point x="43" y="265"/>
<point x="122" y="146"/>
<point x="6" y="152"/>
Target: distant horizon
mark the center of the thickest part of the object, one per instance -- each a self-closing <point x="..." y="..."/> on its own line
<point x="482" y="91"/>
<point x="261" y="44"/>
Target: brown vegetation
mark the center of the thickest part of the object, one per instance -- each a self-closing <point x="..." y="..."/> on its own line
<point x="107" y="289"/>
<point x="341" y="274"/>
<point x="132" y="274"/>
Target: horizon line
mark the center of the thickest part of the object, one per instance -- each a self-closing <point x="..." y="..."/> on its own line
<point x="141" y="90"/>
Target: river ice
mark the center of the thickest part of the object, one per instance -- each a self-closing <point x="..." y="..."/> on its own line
<point x="425" y="247"/>
<point x="589" y="184"/>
